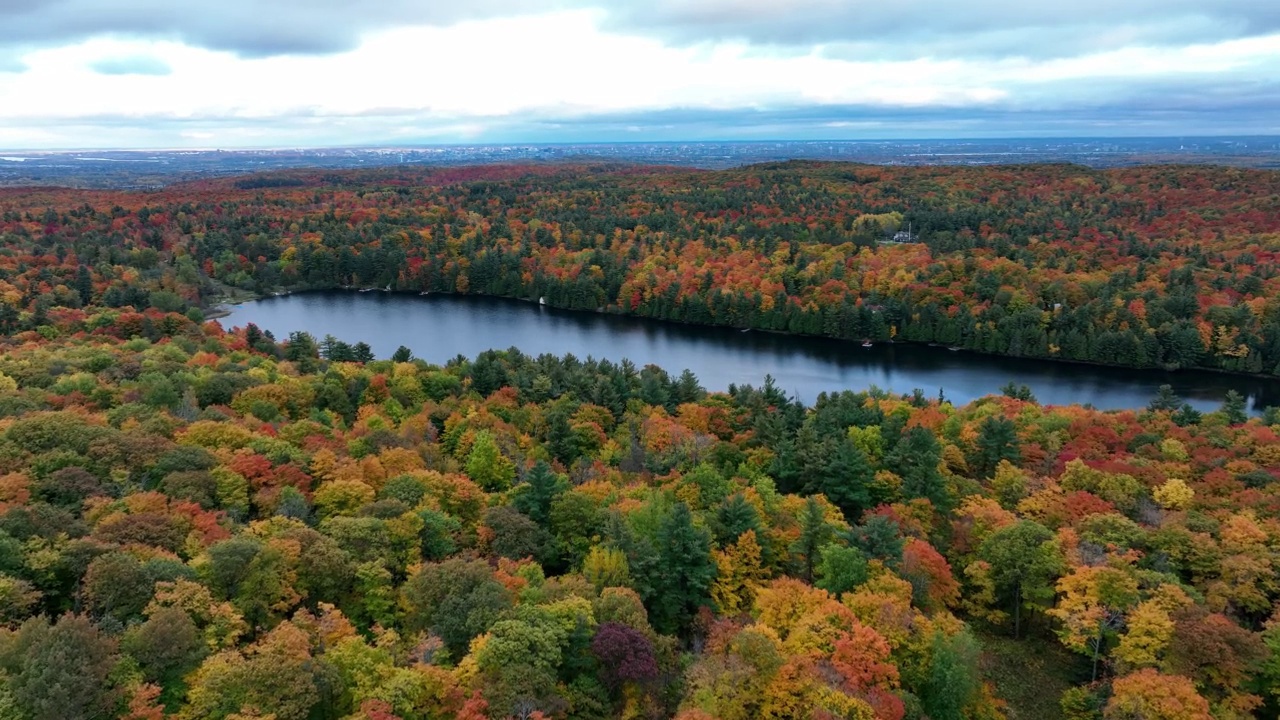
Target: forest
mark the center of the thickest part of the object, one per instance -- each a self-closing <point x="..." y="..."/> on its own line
<point x="200" y="522"/>
<point x="1151" y="267"/>
<point x="207" y="524"/>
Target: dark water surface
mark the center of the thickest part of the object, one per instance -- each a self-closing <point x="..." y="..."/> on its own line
<point x="439" y="327"/>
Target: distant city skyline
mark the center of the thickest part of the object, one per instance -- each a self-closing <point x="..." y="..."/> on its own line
<point x="102" y="168"/>
<point x="333" y="73"/>
<point x="1265" y="142"/>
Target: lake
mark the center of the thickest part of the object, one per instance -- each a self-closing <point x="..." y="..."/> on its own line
<point x="440" y="327"/>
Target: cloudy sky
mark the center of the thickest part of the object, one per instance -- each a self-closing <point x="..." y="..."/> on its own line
<point x="243" y="73"/>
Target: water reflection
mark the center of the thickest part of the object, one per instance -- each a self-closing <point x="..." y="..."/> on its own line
<point x="439" y="327"/>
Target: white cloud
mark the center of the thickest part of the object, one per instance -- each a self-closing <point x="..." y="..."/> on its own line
<point x="456" y="83"/>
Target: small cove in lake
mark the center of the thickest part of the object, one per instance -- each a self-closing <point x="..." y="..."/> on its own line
<point x="439" y="327"/>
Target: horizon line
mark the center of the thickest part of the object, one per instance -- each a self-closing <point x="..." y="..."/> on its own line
<point x="589" y="143"/>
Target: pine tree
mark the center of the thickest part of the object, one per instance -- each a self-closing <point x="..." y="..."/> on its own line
<point x="815" y="532"/>
<point x="840" y="470"/>
<point x="541" y="487"/>
<point x="915" y="459"/>
<point x="84" y="285"/>
<point x="1165" y="400"/>
<point x="685" y="571"/>
<point x="1233" y="408"/>
<point x="997" y="440"/>
<point x="362" y="352"/>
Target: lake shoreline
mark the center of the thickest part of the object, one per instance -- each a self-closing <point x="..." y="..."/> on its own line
<point x="450" y="325"/>
<point x="225" y="308"/>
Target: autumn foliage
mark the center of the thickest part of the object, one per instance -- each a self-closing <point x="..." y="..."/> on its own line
<point x="202" y="522"/>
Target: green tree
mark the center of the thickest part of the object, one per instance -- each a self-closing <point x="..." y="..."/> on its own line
<point x="838" y="469"/>
<point x="166" y="647"/>
<point x="84" y="285"/>
<point x="915" y="459"/>
<point x="117" y="586"/>
<point x="17" y="598"/>
<point x="266" y="593"/>
<point x="732" y="518"/>
<point x="1234" y="408"/>
<point x="1186" y="416"/>
<point x="60" y="671"/>
<point x="488" y="466"/>
<point x="539" y="490"/>
<point x="228" y="564"/>
<point x="997" y="440"/>
<point x="515" y="536"/>
<point x="1025" y="562"/>
<point x="869" y="440"/>
<point x="438" y="534"/>
<point x="1166" y="400"/>
<point x="302" y="349"/>
<point x="880" y="538"/>
<point x="519" y="663"/>
<point x="1018" y="392"/>
<point x="685" y="571"/>
<point x="457" y="599"/>
<point x="376" y="590"/>
<point x="293" y="504"/>
<point x="842" y="569"/>
<point x="954" y="679"/>
<point x="324" y="569"/>
<point x="815" y="533"/>
<point x="1269" y="669"/>
<point x="576" y="522"/>
<point x="361" y="352"/>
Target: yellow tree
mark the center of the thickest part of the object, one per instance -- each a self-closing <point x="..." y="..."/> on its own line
<point x="739" y="574"/>
<point x="1174" y="494"/>
<point x="1149" y="695"/>
<point x="1092" y="608"/>
<point x="1247" y="577"/>
<point x="606" y="567"/>
<point x="276" y="675"/>
<point x="1149" y="630"/>
<point x="785" y="601"/>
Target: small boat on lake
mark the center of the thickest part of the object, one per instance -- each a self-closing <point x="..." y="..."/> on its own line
<point x="866" y="343"/>
<point x="953" y="348"/>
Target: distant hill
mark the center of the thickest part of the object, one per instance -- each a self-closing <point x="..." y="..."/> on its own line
<point x="153" y="168"/>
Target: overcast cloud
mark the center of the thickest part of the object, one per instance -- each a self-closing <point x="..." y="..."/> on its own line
<point x="158" y="73"/>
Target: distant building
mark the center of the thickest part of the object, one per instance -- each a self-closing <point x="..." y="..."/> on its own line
<point x="904" y="236"/>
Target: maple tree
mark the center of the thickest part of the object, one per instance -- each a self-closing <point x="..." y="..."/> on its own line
<point x="1147" y="694"/>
